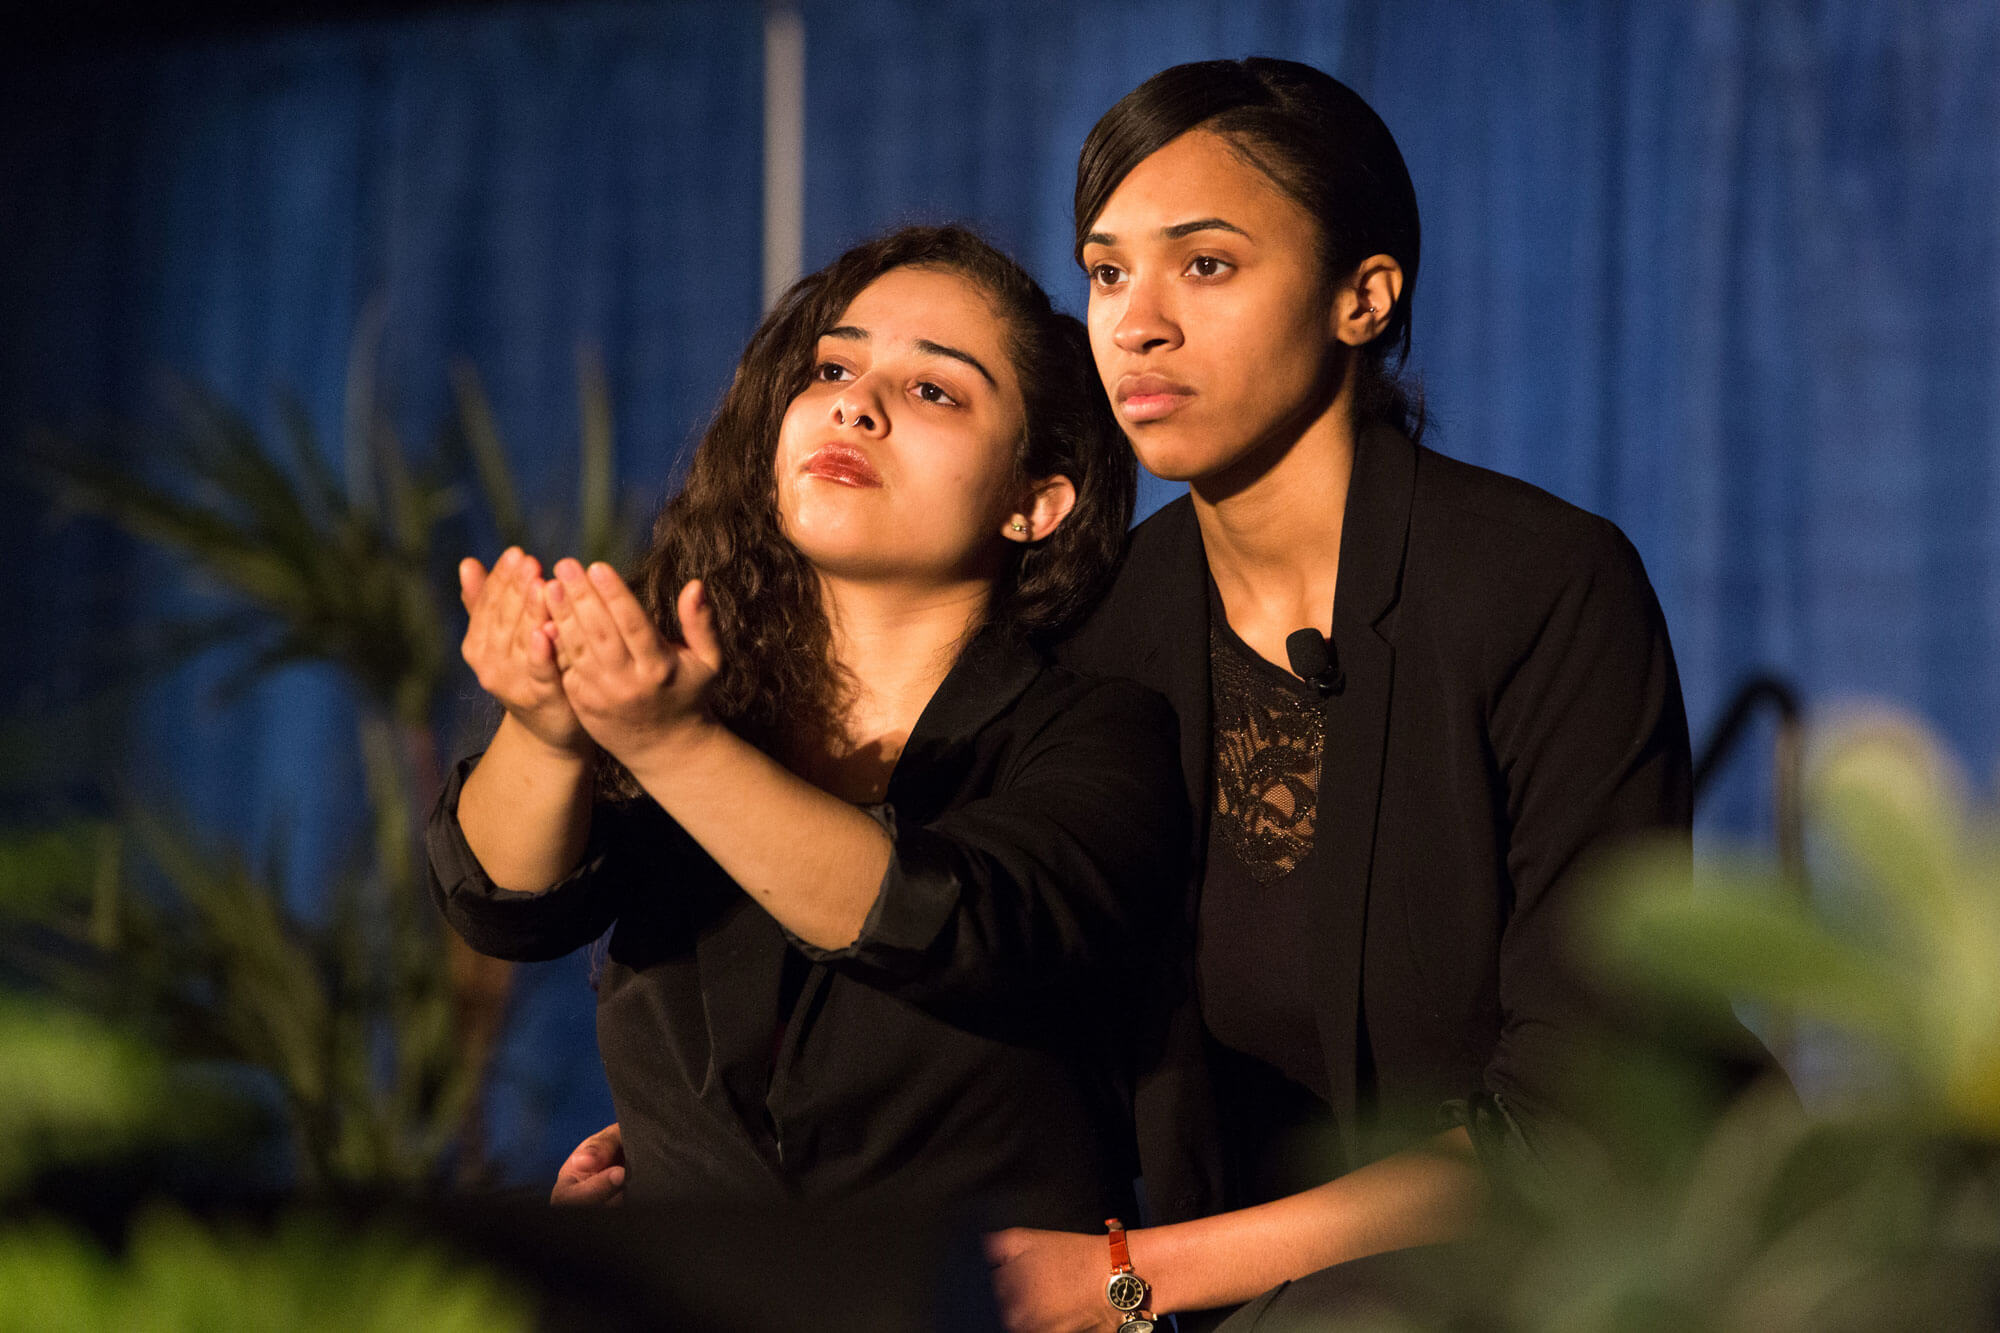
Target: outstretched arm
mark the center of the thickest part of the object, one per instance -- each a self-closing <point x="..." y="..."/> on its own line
<point x="811" y="860"/>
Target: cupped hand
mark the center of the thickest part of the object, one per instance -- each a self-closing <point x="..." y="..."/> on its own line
<point x="632" y="688"/>
<point x="510" y="646"/>
<point x="1051" y="1281"/>
<point x="594" y="1172"/>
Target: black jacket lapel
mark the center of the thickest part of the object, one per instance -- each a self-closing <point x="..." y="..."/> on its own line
<point x="991" y="673"/>
<point x="1373" y="535"/>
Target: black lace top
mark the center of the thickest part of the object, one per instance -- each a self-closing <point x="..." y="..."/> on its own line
<point x="1269" y="729"/>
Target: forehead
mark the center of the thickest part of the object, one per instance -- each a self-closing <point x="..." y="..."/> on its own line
<point x="1198" y="175"/>
<point x="907" y="305"/>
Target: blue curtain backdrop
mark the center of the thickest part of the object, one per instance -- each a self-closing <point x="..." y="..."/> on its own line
<point x="504" y="185"/>
<point x="1726" y="272"/>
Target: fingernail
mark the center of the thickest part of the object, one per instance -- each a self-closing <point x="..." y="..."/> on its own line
<point x="567" y="568"/>
<point x="556" y="593"/>
<point x="603" y="573"/>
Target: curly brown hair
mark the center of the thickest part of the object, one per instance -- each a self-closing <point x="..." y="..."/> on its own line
<point x="778" y="678"/>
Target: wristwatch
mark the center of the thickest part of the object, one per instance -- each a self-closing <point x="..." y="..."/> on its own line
<point x="1126" y="1290"/>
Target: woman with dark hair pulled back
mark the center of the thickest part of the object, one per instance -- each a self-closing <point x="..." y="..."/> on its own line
<point x="1416" y="699"/>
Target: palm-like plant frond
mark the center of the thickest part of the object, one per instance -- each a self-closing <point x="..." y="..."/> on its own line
<point x="374" y="1023"/>
<point x="339" y="581"/>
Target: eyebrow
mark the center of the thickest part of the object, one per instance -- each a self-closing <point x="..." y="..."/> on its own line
<point x="939" y="349"/>
<point x="1175" y="232"/>
<point x="853" y="333"/>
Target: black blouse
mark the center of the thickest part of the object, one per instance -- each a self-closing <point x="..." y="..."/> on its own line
<point x="973" y="1048"/>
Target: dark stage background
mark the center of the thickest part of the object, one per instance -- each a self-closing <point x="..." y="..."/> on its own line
<point x="1726" y="272"/>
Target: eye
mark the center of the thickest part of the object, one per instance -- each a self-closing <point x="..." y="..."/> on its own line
<point x="1208" y="266"/>
<point x="830" y="371"/>
<point x="1106" y="275"/>
<point x="934" y="393"/>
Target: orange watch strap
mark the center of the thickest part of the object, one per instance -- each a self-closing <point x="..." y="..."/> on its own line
<point x="1121" y="1254"/>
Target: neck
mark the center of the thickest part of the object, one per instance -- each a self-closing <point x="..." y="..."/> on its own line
<point x="894" y="645"/>
<point x="1271" y="528"/>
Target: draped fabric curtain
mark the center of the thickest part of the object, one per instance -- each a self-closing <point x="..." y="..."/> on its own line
<point x="1728" y="273"/>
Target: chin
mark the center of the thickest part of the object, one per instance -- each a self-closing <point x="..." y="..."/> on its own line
<point x="1180" y="460"/>
<point x="837" y="552"/>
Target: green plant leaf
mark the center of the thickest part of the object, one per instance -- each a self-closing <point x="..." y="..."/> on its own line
<point x="1736" y="941"/>
<point x="69" y="1090"/>
<point x="597" y="475"/>
<point x="489" y="457"/>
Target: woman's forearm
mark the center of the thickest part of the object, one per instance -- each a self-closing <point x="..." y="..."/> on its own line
<point x="525" y="810"/>
<point x="1421" y="1196"/>
<point x="809" y="858"/>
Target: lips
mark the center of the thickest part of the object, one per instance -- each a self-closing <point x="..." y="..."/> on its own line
<point x="841" y="465"/>
<point x="1149" y="397"/>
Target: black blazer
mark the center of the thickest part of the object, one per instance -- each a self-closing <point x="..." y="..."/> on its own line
<point x="1511" y="706"/>
<point x="963" y="1052"/>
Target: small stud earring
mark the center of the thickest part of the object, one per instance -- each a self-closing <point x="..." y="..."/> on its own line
<point x="1018" y="526"/>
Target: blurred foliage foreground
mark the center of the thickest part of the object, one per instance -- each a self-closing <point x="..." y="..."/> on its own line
<point x="148" y="953"/>
<point x="374" y="1024"/>
<point x="1874" y="1206"/>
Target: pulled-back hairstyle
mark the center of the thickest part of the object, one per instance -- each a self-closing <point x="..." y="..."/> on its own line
<point x="1321" y="145"/>
<point x="778" y="678"/>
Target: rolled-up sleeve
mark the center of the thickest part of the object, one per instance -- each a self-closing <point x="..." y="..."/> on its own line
<point x="521" y="927"/>
<point x="1074" y="865"/>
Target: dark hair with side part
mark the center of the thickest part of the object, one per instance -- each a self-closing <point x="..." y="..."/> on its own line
<point x="1321" y="145"/>
<point x="778" y="677"/>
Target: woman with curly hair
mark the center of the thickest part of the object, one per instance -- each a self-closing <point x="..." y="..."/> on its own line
<point x="865" y="854"/>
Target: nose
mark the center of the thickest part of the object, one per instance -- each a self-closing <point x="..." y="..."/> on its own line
<point x="1145" y="324"/>
<point x="856" y="407"/>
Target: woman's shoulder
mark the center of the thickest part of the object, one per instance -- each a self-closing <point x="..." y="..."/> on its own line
<point x="1475" y="507"/>
<point x="1498" y="571"/>
<point x="1010" y="691"/>
<point x="1475" y="531"/>
<point x="1069" y="698"/>
<point x="1155" y="596"/>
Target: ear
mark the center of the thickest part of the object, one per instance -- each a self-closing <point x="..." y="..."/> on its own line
<point x="1048" y="504"/>
<point x="1364" y="301"/>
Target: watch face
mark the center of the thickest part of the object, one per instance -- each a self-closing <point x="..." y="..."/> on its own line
<point x="1136" y="1325"/>
<point x="1125" y="1291"/>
